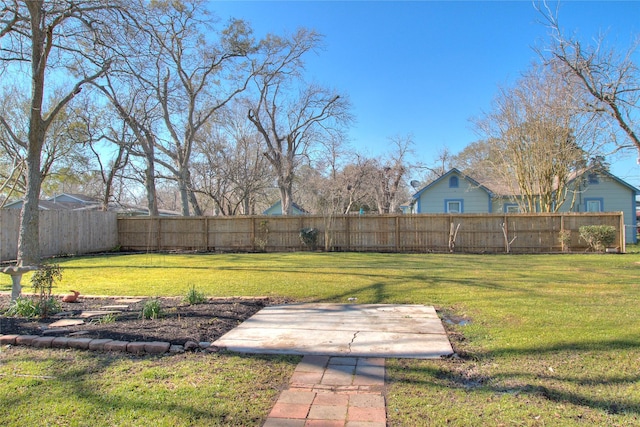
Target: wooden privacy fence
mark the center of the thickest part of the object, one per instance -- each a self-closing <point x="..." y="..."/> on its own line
<point x="61" y="232"/>
<point x="468" y="233"/>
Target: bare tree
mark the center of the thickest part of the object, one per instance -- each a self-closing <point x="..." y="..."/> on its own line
<point x="40" y="38"/>
<point x="191" y="79"/>
<point x="391" y="170"/>
<point x="291" y="116"/>
<point x="475" y="160"/>
<point x="61" y="161"/>
<point x="358" y="177"/>
<point x="537" y="137"/>
<point x="139" y="111"/>
<point x="102" y="132"/>
<point x="610" y="79"/>
<point x="229" y="167"/>
<point x="13" y="135"/>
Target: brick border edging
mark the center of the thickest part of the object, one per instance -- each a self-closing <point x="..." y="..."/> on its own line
<point x="105" y="345"/>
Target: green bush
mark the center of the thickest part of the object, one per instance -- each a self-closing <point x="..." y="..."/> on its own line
<point x="47" y="306"/>
<point x="106" y="319"/>
<point x="33" y="307"/>
<point x="262" y="238"/>
<point x="42" y="283"/>
<point x="309" y="237"/>
<point x="598" y="237"/>
<point x="152" y="309"/>
<point x="194" y="297"/>
<point x="564" y="238"/>
<point x="23" y="307"/>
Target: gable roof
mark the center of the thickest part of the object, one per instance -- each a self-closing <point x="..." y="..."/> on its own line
<point x="496" y="187"/>
<point x="577" y="174"/>
<point x="80" y="202"/>
<point x="74" y="198"/>
<point x="452" y="171"/>
<point x="45" y="205"/>
<point x="276" y="209"/>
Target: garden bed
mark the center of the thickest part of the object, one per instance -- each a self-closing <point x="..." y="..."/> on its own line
<point x="178" y="323"/>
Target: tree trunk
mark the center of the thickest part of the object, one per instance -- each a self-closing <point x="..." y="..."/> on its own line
<point x="150" y="186"/>
<point x="193" y="200"/>
<point x="285" y="184"/>
<point x="194" y="203"/>
<point x="29" y="239"/>
<point x="184" y="197"/>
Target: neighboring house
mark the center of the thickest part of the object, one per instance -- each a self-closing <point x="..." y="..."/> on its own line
<point x="66" y="202"/>
<point x="453" y="192"/>
<point x="595" y="191"/>
<point x="80" y="202"/>
<point x="276" y="209"/>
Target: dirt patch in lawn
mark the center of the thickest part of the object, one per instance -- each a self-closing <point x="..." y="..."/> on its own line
<point x="179" y="322"/>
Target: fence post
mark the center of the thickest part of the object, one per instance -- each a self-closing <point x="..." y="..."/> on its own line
<point x="301" y="245"/>
<point x="159" y="238"/>
<point x="206" y="233"/>
<point x="347" y="231"/>
<point x="623" y="234"/>
<point x="253" y="233"/>
<point x="397" y="233"/>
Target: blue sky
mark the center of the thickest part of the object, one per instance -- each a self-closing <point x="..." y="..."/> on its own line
<point x="427" y="67"/>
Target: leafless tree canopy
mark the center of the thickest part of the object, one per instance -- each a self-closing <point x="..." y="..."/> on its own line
<point x="291" y="115"/>
<point x="608" y="78"/>
<point x="39" y="38"/>
<point x="537" y="136"/>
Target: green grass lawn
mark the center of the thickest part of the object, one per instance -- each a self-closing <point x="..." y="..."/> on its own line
<point x="552" y="339"/>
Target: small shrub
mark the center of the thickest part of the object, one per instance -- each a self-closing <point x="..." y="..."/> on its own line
<point x="262" y="238"/>
<point x="42" y="283"/>
<point x="564" y="238"/>
<point x="309" y="237"/>
<point x="106" y="319"/>
<point x="47" y="306"/>
<point x="194" y="297"/>
<point x="152" y="309"/>
<point x="23" y="307"/>
<point x="598" y="237"/>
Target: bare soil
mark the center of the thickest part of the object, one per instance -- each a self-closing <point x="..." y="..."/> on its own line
<point x="179" y="322"/>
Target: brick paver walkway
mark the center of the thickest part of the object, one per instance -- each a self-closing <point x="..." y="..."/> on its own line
<point x="333" y="391"/>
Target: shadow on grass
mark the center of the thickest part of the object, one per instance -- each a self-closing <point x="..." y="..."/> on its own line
<point x="609" y="345"/>
<point x="136" y="395"/>
<point x="590" y="391"/>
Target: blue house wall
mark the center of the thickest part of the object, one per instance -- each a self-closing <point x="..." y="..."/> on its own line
<point x="599" y="191"/>
<point x="452" y="189"/>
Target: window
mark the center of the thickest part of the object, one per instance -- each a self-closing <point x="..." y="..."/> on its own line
<point x="511" y="208"/>
<point x="453" y="206"/>
<point x="593" y="178"/>
<point x="454" y="182"/>
<point x="593" y="205"/>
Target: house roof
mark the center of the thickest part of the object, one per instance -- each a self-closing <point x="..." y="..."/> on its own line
<point x="279" y="204"/>
<point x="77" y="198"/>
<point x="80" y="202"/>
<point x="577" y="174"/>
<point x="45" y="205"/>
<point x="496" y="187"/>
<point x="446" y="176"/>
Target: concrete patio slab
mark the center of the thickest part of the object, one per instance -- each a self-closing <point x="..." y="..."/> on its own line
<point x="356" y="330"/>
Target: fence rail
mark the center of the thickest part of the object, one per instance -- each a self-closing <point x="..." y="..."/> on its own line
<point x="468" y="233"/>
<point x="61" y="232"/>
